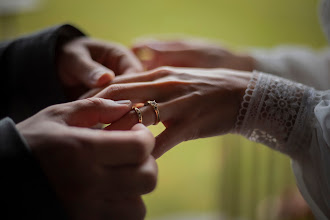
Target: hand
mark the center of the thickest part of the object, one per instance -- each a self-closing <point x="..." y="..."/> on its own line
<point x="193" y="103"/>
<point x="96" y="174"/>
<point x="85" y="63"/>
<point x="190" y="53"/>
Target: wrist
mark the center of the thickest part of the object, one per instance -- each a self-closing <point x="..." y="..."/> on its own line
<point x="246" y="62"/>
<point x="240" y="81"/>
<point x="242" y="62"/>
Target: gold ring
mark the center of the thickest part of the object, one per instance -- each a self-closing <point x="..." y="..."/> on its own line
<point x="154" y="105"/>
<point x="139" y="113"/>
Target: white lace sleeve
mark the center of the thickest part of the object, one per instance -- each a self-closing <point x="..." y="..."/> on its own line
<point x="277" y="112"/>
<point x="294" y="119"/>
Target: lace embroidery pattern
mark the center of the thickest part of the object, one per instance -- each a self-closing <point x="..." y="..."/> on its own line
<point x="277" y="112"/>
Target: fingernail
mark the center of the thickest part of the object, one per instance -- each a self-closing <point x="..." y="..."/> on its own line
<point x="123" y="102"/>
<point x="104" y="79"/>
<point x="96" y="74"/>
<point x="101" y="74"/>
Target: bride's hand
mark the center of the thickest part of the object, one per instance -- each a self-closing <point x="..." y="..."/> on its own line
<point x="193" y="103"/>
<point x="190" y="53"/>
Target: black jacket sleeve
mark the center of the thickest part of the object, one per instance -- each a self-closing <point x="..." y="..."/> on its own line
<point x="25" y="192"/>
<point x="28" y="76"/>
<point x="28" y="84"/>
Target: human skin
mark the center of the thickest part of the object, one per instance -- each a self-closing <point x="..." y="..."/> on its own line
<point x="84" y="63"/>
<point x="193" y="103"/>
<point x="197" y="53"/>
<point x="96" y="174"/>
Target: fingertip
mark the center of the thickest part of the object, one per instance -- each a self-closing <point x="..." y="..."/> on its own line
<point x="100" y="76"/>
<point x="105" y="79"/>
<point x="139" y="126"/>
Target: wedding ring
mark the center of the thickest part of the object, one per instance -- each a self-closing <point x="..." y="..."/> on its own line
<point x="139" y="113"/>
<point x="154" y="105"/>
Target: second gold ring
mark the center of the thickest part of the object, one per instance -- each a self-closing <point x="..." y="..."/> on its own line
<point x="154" y="105"/>
<point x="139" y="113"/>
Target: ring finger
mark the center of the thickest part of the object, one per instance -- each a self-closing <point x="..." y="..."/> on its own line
<point x="167" y="111"/>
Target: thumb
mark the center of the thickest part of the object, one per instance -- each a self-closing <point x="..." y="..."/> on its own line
<point x="91" y="111"/>
<point x="94" y="74"/>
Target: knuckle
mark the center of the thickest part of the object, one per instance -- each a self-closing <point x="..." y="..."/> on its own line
<point x="140" y="147"/>
<point x="165" y="68"/>
<point x="192" y="135"/>
<point x="163" y="71"/>
<point x="177" y="85"/>
<point x="147" y="138"/>
<point x="171" y="80"/>
<point x="117" y="51"/>
<point x="95" y="101"/>
<point x="150" y="178"/>
<point x="146" y="133"/>
<point x="120" y="52"/>
<point x="57" y="110"/>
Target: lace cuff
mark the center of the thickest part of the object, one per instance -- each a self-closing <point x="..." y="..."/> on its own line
<point x="277" y="112"/>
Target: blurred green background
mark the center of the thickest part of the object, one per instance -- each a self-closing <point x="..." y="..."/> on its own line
<point x="226" y="175"/>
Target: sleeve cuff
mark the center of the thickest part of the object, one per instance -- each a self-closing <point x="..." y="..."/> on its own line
<point x="278" y="113"/>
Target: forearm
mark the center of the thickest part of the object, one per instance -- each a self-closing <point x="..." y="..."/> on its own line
<point x="294" y="119"/>
<point x="28" y="70"/>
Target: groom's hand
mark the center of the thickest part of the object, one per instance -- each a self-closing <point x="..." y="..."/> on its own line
<point x="96" y="174"/>
<point x="84" y="63"/>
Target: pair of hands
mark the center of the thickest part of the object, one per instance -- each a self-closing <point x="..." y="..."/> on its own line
<point x="99" y="174"/>
<point x="96" y="174"/>
<point x="193" y="102"/>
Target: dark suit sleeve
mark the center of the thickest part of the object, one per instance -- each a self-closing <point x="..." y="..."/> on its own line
<point x="28" y="76"/>
<point x="28" y="83"/>
<point x="25" y="192"/>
